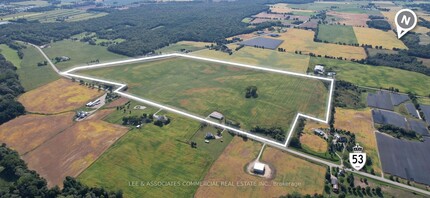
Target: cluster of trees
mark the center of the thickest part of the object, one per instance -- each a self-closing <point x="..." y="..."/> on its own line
<point x="276" y="133"/>
<point x="379" y="24"/>
<point x="22" y="182"/>
<point x="298" y="195"/>
<point x="295" y="139"/>
<point x="348" y="95"/>
<point x="10" y="88"/>
<point x="398" y="132"/>
<point x="144" y="119"/>
<point x="197" y="21"/>
<point x="401" y="61"/>
<point x="251" y="92"/>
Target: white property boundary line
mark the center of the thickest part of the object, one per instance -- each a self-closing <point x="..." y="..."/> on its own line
<point x="201" y="119"/>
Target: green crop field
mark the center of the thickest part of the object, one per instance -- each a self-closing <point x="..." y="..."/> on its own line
<point x="376" y="76"/>
<point x="203" y="87"/>
<point x="261" y="57"/>
<point x="31" y="75"/>
<point x="10" y="55"/>
<point x="80" y="53"/>
<point x="152" y="154"/>
<point x="337" y="34"/>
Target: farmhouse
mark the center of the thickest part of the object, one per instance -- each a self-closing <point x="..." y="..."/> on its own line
<point x="319" y="69"/>
<point x="216" y="115"/>
<point x="259" y="168"/>
<point x="161" y="118"/>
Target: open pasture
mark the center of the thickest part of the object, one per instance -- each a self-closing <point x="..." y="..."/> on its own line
<point x="79" y="53"/>
<point x="302" y="40"/>
<point x="303" y="176"/>
<point x="58" y="15"/>
<point x="31" y="75"/>
<point x="336" y="34"/>
<point x="261" y="57"/>
<point x="152" y="154"/>
<point x="58" y="96"/>
<point x="203" y="87"/>
<point x="375" y="37"/>
<point x="310" y="140"/>
<point x="183" y="45"/>
<point x="377" y="77"/>
<point x="73" y="150"/>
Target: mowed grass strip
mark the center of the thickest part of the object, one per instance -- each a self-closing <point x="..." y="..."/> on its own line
<point x="32" y="76"/>
<point x="360" y="123"/>
<point x="231" y="168"/>
<point x="10" y="55"/>
<point x="59" y="96"/>
<point x="302" y="40"/>
<point x="375" y="37"/>
<point x="376" y="76"/>
<point x="336" y="34"/>
<point x="183" y="45"/>
<point x="261" y="57"/>
<point x="152" y="154"/>
<point x="72" y="151"/>
<point x="27" y="132"/>
<point x="203" y="87"/>
<point x="79" y="53"/>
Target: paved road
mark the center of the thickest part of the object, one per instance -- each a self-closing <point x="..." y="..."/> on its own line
<point x="270" y="143"/>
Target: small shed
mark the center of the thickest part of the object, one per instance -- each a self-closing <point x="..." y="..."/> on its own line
<point x="216" y="115"/>
<point x="259" y="168"/>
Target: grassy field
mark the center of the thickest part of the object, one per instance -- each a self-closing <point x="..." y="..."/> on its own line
<point x="203" y="87"/>
<point x="336" y="34"/>
<point x="302" y="40"/>
<point x="261" y="57"/>
<point x="151" y="154"/>
<point x="27" y="132"/>
<point x="183" y="45"/>
<point x="73" y="150"/>
<point x="10" y="55"/>
<point x="303" y="177"/>
<point x="31" y="75"/>
<point x="59" y="96"/>
<point x="375" y="37"/>
<point x="376" y="76"/>
<point x="360" y="123"/>
<point x="79" y="53"/>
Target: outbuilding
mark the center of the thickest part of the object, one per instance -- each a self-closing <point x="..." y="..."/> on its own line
<point x="216" y="115"/>
<point x="259" y="168"/>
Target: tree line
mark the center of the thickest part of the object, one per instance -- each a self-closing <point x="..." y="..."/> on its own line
<point x="195" y="21"/>
<point x="23" y="182"/>
<point x="10" y="88"/>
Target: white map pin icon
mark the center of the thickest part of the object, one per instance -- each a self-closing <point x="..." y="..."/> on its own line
<point x="405" y="20"/>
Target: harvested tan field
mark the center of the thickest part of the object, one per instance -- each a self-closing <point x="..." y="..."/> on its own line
<point x="99" y="115"/>
<point x="302" y="40"/>
<point x="72" y="151"/>
<point x="27" y="132"/>
<point x="351" y="18"/>
<point x="292" y="174"/>
<point x="59" y="96"/>
<point x="360" y="123"/>
<point x="375" y="37"/>
<point x="312" y="141"/>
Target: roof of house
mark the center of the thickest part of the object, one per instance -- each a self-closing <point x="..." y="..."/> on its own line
<point x="319" y="67"/>
<point x="216" y="115"/>
<point x="259" y="166"/>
